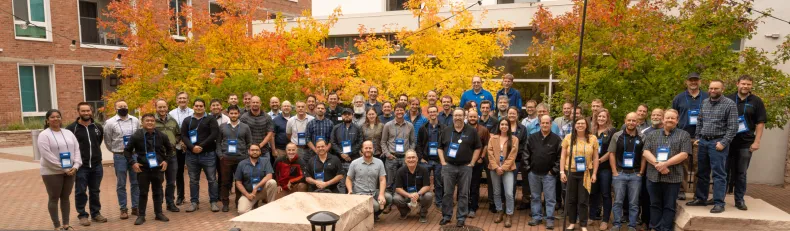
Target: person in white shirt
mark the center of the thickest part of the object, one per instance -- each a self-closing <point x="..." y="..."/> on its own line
<point x="118" y="131"/>
<point x="179" y="114"/>
<point x="60" y="160"/>
<point x="297" y="126"/>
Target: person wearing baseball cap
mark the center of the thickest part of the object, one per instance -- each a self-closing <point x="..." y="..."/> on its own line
<point x="688" y="105"/>
<point x="346" y="141"/>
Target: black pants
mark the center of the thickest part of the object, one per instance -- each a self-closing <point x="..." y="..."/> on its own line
<point x="644" y="201"/>
<point x="578" y="198"/>
<point x="180" y="173"/>
<point x="154" y="178"/>
<point x="474" y="188"/>
<point x="228" y="166"/>
<point x="88" y="183"/>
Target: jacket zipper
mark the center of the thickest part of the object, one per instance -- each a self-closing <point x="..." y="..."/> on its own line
<point x="90" y="145"/>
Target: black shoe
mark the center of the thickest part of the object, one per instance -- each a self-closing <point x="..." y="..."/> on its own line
<point x="533" y="222"/>
<point x="696" y="202"/>
<point x="225" y="207"/>
<point x="161" y="217"/>
<point x="376" y="218"/>
<point x="180" y="201"/>
<point x="172" y="208"/>
<point x="140" y="220"/>
<point x="710" y="202"/>
<point x="717" y="209"/>
<point x="549" y="225"/>
<point x="444" y="221"/>
<point x="134" y="212"/>
<point x="523" y="206"/>
<point x="459" y="224"/>
<point x="741" y="206"/>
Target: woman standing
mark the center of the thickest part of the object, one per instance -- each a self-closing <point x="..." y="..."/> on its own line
<point x="371" y="130"/>
<point x="60" y="159"/>
<point x="582" y="171"/>
<point x="602" y="189"/>
<point x="502" y="153"/>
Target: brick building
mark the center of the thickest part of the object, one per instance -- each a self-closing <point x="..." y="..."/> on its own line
<point x="39" y="71"/>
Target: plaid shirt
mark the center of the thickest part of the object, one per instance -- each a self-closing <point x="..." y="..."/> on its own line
<point x="678" y="141"/>
<point x="718" y="118"/>
<point x="316" y="128"/>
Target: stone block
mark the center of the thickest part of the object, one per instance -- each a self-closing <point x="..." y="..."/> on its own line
<point x="760" y="216"/>
<point x="290" y="212"/>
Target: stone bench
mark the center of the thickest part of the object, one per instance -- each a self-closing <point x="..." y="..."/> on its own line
<point x="760" y="216"/>
<point x="290" y="212"/>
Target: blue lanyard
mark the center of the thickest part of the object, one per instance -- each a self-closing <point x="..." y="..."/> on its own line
<point x="231" y="128"/>
<point x="199" y="121"/>
<point x="745" y="103"/>
<point x="145" y="142"/>
<point x="692" y="100"/>
<point x="255" y="169"/>
<point x="58" y="143"/>
<point x="323" y="169"/>
<point x="625" y="142"/>
<point x="407" y="179"/>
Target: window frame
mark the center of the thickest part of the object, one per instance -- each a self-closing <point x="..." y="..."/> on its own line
<point x="52" y="88"/>
<point x="46" y="25"/>
<point x="179" y="36"/>
<point x="79" y="26"/>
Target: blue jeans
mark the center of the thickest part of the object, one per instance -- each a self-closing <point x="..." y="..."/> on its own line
<point x="711" y="160"/>
<point x="737" y="164"/>
<point x="88" y="180"/>
<point x="547" y="185"/>
<point x="663" y="197"/>
<point x="632" y="183"/>
<point x="122" y="169"/>
<point x="438" y="189"/>
<point x="170" y="180"/>
<point x="508" y="180"/>
<point x="602" y="192"/>
<point x="207" y="162"/>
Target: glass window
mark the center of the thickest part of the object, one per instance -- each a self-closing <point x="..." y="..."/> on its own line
<point x="35" y="88"/>
<point x="532" y="90"/>
<point x="393" y="5"/>
<point x="516" y="65"/>
<point x="214" y="9"/>
<point x="34" y="12"/>
<point x="179" y="22"/>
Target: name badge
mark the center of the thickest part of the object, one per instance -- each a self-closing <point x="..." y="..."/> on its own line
<point x="411" y="189"/>
<point x="346" y="146"/>
<point x="453" y="150"/>
<point x="193" y="136"/>
<point x="151" y="157"/>
<point x="581" y="164"/>
<point x="693" y="115"/>
<point x="742" y="125"/>
<point x="65" y="160"/>
<point x="501" y="160"/>
<point x="232" y="146"/>
<point x="126" y="140"/>
<point x="253" y="182"/>
<point x="433" y="148"/>
<point x="628" y="159"/>
<point x="662" y="154"/>
<point x="319" y="176"/>
<point x="340" y="118"/>
<point x="301" y="138"/>
<point x="399" y="145"/>
<point x="567" y="130"/>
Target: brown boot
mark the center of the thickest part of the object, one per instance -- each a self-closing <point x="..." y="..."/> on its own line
<point x="124" y="214"/>
<point x="500" y="215"/>
<point x="507" y="221"/>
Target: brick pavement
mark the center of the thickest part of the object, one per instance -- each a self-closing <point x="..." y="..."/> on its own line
<point x="24" y="204"/>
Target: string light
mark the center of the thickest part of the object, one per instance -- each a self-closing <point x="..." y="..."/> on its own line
<point x="307" y="69"/>
<point x="260" y="72"/>
<point x="396" y="46"/>
<point x="479" y="3"/>
<point x="73" y="46"/>
<point x="213" y="73"/>
<point x="164" y="70"/>
<point x="118" y="60"/>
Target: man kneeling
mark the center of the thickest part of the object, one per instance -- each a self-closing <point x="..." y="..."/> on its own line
<point x="412" y="188"/>
<point x="367" y="176"/>
<point x="252" y="176"/>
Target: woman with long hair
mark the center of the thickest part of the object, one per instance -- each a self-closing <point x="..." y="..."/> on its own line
<point x="60" y="159"/>
<point x="371" y="130"/>
<point x="601" y="193"/>
<point x="581" y="163"/>
<point x="502" y="151"/>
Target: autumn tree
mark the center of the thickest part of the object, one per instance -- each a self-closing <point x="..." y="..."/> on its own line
<point x="641" y="52"/>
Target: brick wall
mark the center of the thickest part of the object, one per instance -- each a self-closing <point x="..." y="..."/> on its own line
<point x="287" y="6"/>
<point x="15" y="138"/>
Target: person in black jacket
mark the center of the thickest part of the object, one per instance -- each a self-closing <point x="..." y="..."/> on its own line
<point x="346" y="142"/>
<point x="542" y="164"/>
<point x="89" y="176"/>
<point x="520" y="131"/>
<point x="427" y="151"/>
<point x="147" y="154"/>
<point x="199" y="133"/>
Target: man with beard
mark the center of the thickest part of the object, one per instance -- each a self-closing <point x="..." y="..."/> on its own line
<point x="168" y="126"/>
<point x="346" y="141"/>
<point x="432" y="98"/>
<point x="485" y="116"/>
<point x="501" y="107"/>
<point x="476" y="94"/>
<point x="254" y="180"/>
<point x="386" y="113"/>
<point x="717" y="126"/>
<point x="751" y="122"/>
<point x="200" y="137"/>
<point x="261" y="126"/>
<point x="274" y="104"/>
<point x="479" y="167"/>
<point x="319" y="128"/>
<point x="458" y="152"/>
<point x="542" y="110"/>
<point x="359" y="110"/>
<point x="446" y="115"/>
<point x="655" y="120"/>
<point x="366" y="176"/>
<point x="403" y="98"/>
<point x="179" y="114"/>
<point x="427" y="150"/>
<point x="311" y="101"/>
<point x="323" y="171"/>
<point x="288" y="171"/>
<point x="280" y="127"/>
<point x="117" y="132"/>
<point x="334" y="111"/>
<point x="234" y="138"/>
<point x="89" y="175"/>
<point x="688" y="104"/>
<point x="373" y="93"/>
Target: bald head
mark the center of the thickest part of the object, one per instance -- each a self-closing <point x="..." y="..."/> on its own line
<point x="631" y="119"/>
<point x="255" y="104"/>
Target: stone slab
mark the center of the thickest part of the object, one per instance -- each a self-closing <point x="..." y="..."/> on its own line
<point x="290" y="212"/>
<point x="13" y="165"/>
<point x="760" y="216"/>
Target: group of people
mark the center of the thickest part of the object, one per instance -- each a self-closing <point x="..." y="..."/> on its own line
<point x="390" y="151"/>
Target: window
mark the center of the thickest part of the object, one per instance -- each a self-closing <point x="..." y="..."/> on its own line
<point x="36" y="87"/>
<point x="37" y="13"/>
<point x="393" y="5"/>
<point x="214" y="9"/>
<point x="89" y="26"/>
<point x="179" y="22"/>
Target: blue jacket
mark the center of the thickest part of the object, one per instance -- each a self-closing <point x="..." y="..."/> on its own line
<point x="513" y="95"/>
<point x="469" y="95"/>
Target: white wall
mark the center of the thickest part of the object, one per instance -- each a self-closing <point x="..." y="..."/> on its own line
<point x="325" y="7"/>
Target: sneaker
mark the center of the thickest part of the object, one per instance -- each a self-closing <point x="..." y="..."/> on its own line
<point x="140" y="220"/>
<point x="84" y="221"/>
<point x="423" y="219"/>
<point x="534" y="222"/>
<point x="99" y="219"/>
<point x="471" y="214"/>
<point x="124" y="214"/>
<point x="550" y="224"/>
<point x="193" y="207"/>
<point x="214" y="207"/>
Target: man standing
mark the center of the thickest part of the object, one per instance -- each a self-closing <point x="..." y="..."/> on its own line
<point x="531" y="122"/>
<point x="542" y="162"/>
<point x="233" y="100"/>
<point x="366" y="176"/>
<point x="147" y="153"/>
<point x="323" y="171"/>
<point x="716" y="128"/>
<point x="296" y="127"/>
<point x="234" y="138"/>
<point x="373" y="93"/>
<point x="261" y="126"/>
<point x="513" y="96"/>
<point x="346" y="142"/>
<point x="414" y="116"/>
<point x="319" y="128"/>
<point x="641" y="119"/>
<point x="396" y="138"/>
<point x="446" y="115"/>
<point x="458" y="152"/>
<point x="311" y="102"/>
<point x="281" y="138"/>
<point x="665" y="151"/>
<point x="428" y="151"/>
<point x="751" y="122"/>
<point x="358" y="104"/>
<point x="89" y="175"/>
<point x="479" y="167"/>
<point x="254" y="180"/>
<point x="403" y="98"/>
<point x="216" y="111"/>
<point x="117" y="132"/>
<point x="477" y="93"/>
<point x="179" y="114"/>
<point x="595" y="106"/>
<point x="625" y="147"/>
<point x="564" y="122"/>
<point x="432" y="98"/>
<point x="247" y="96"/>
<point x="688" y="104"/>
<point x="199" y="136"/>
<point x="334" y="112"/>
<point x="413" y="188"/>
<point x="386" y="113"/>
<point x="542" y="110"/>
<point x="485" y="116"/>
<point x="274" y="104"/>
<point x="502" y="106"/>
<point x="168" y="126"/>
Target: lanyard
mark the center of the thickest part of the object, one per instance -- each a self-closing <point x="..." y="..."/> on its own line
<point x="231" y="128"/>
<point x="255" y="168"/>
<point x="746" y="102"/>
<point x="323" y="169"/>
<point x="432" y="136"/>
<point x="145" y="142"/>
<point x="58" y="143"/>
<point x="198" y="125"/>
<point x="625" y="142"/>
<point x="407" y="179"/>
<point x="692" y="100"/>
<point x="121" y="127"/>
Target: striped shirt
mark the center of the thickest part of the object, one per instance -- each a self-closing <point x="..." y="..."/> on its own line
<point x="260" y="126"/>
<point x="115" y="129"/>
<point x="678" y="141"/>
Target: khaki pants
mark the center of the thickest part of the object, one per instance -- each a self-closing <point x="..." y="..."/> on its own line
<point x="690" y="171"/>
<point x="268" y="194"/>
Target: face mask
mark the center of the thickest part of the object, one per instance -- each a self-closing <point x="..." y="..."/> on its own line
<point x="123" y="111"/>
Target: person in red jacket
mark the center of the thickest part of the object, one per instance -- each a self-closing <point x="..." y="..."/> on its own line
<point x="288" y="169"/>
